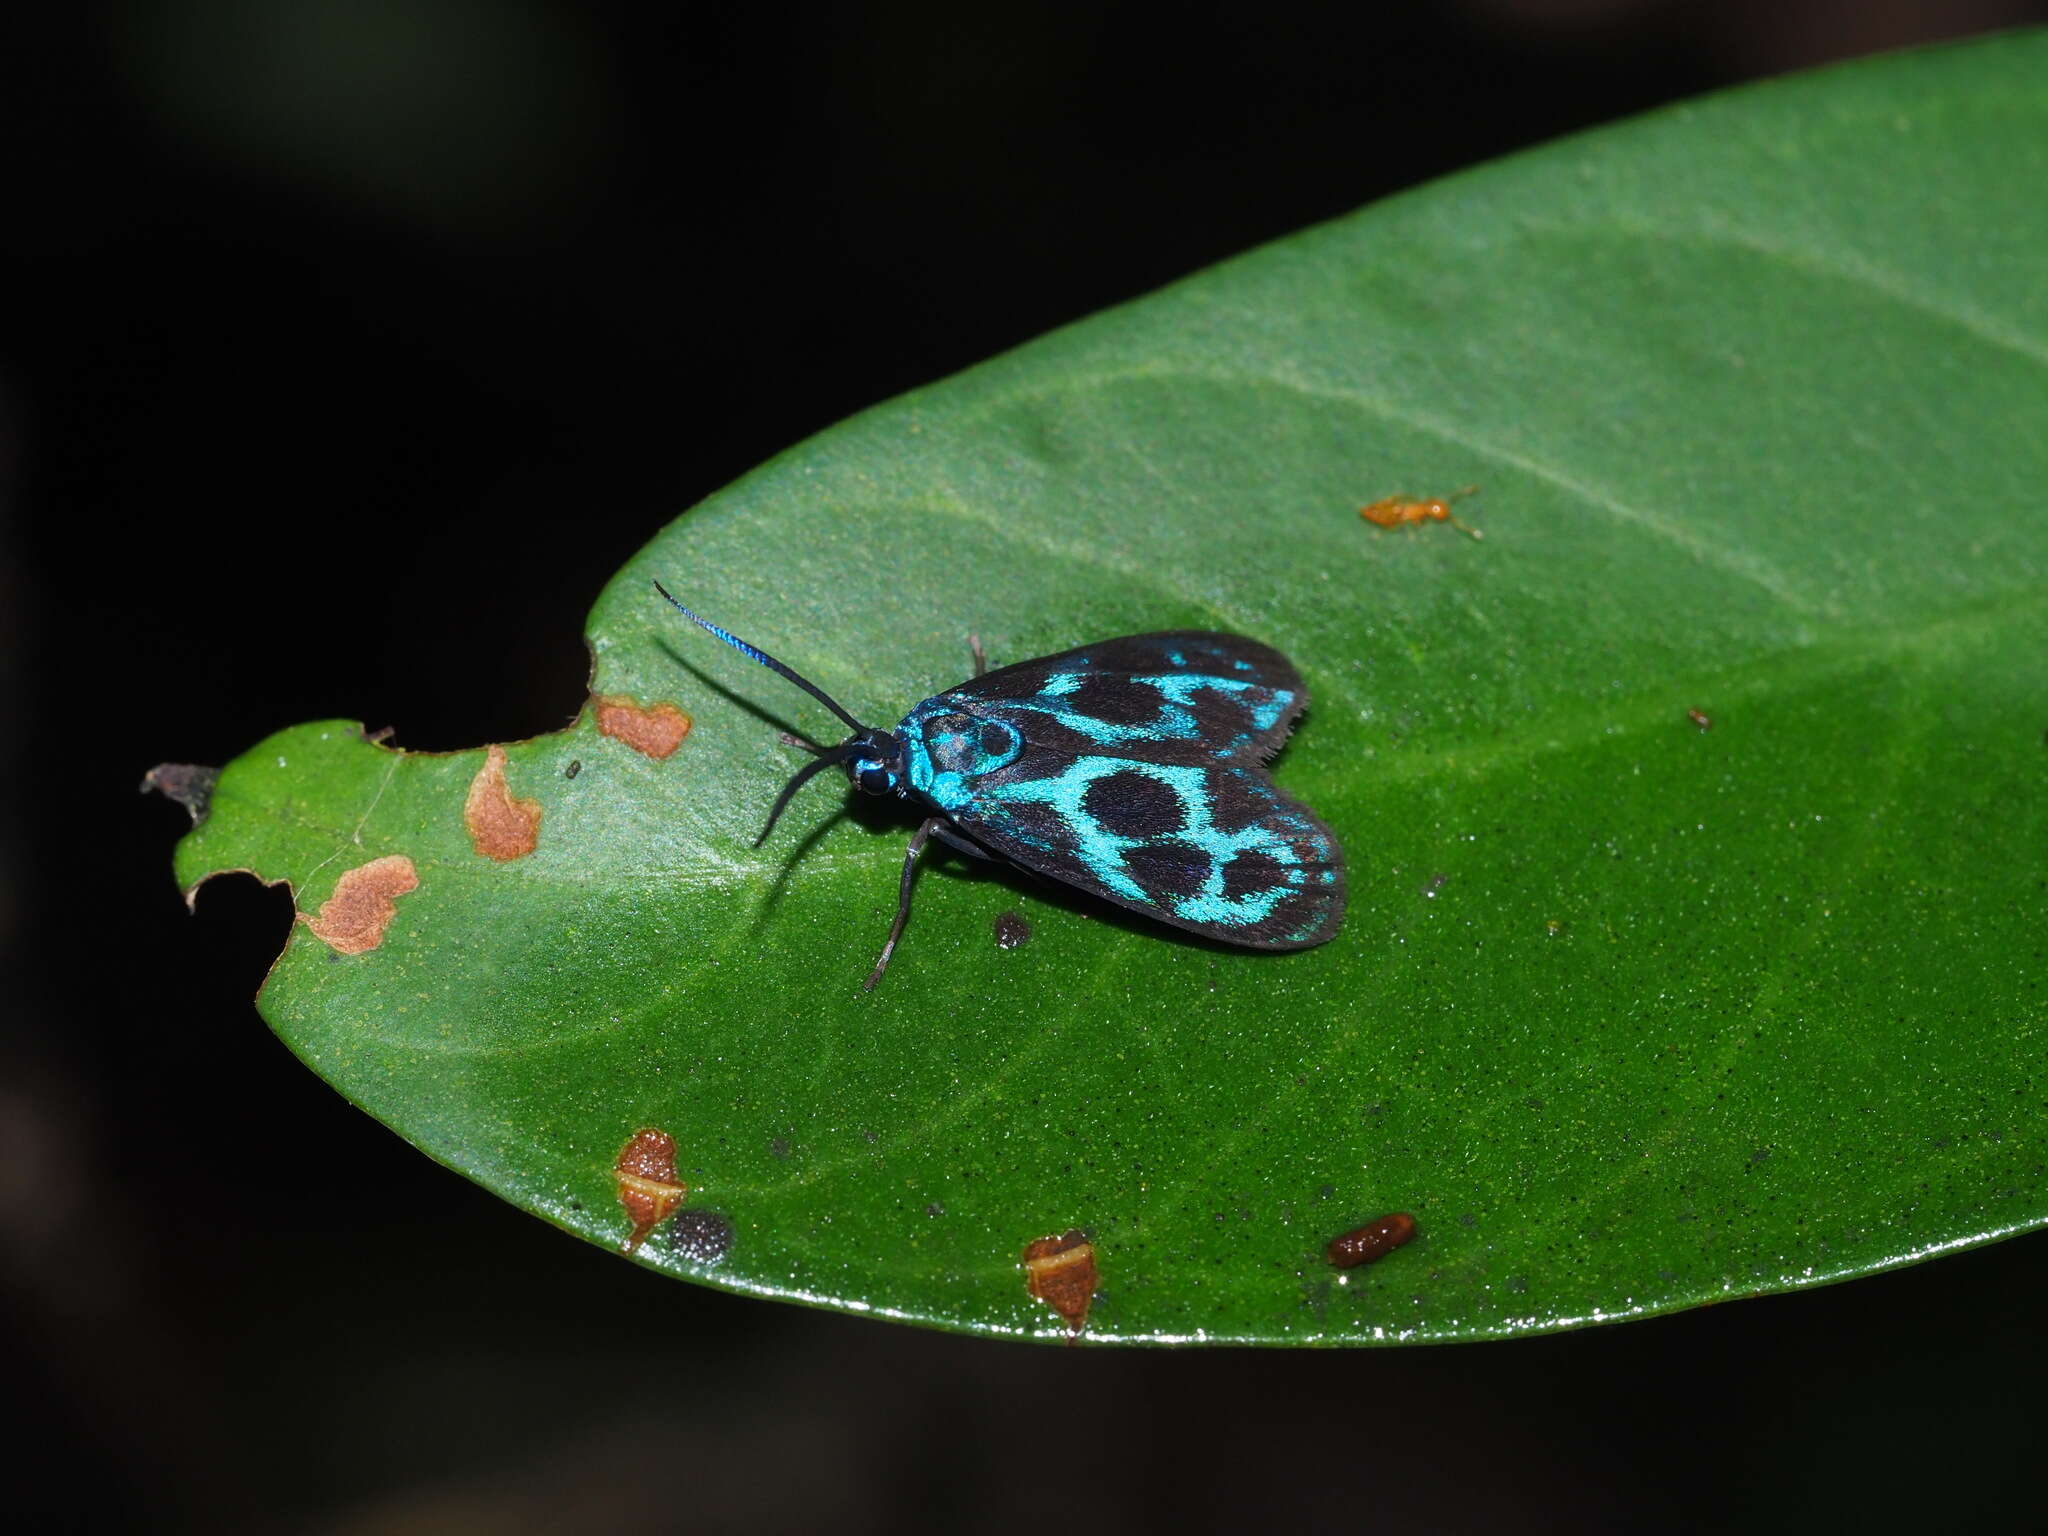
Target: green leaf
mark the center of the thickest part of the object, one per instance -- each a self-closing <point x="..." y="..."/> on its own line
<point x="1631" y="1013"/>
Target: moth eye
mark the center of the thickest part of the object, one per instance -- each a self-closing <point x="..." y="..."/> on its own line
<point x="876" y="781"/>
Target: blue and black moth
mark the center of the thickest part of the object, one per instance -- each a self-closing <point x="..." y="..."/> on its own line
<point x="1132" y="768"/>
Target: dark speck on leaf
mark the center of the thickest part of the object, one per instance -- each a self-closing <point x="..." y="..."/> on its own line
<point x="1011" y="930"/>
<point x="779" y="1147"/>
<point x="935" y="1209"/>
<point x="701" y="1236"/>
<point x="575" y="767"/>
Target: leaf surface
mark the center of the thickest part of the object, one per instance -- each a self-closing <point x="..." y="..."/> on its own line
<point x="1632" y="1013"/>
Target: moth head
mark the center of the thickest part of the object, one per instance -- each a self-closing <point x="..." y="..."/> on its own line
<point x="874" y="762"/>
<point x="872" y="757"/>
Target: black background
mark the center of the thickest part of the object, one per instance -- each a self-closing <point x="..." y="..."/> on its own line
<point x="347" y="347"/>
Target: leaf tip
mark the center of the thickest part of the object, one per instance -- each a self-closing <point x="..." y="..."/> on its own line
<point x="188" y="784"/>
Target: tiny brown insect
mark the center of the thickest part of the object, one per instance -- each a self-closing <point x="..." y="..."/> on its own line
<point x="1374" y="1240"/>
<point x="648" y="1186"/>
<point x="1060" y="1271"/>
<point x="1699" y="719"/>
<point x="1407" y="511"/>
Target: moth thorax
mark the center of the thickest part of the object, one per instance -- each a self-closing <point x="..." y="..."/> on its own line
<point x="963" y="744"/>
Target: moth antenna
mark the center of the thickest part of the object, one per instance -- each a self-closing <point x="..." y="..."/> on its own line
<point x="757" y="654"/>
<point x="798" y="780"/>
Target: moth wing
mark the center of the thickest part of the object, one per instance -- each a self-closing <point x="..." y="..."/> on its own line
<point x="1183" y="696"/>
<point x="1213" y="848"/>
<point x="1139" y="775"/>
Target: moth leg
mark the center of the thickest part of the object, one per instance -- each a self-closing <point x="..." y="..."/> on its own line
<point x="980" y="656"/>
<point x="959" y="844"/>
<point x="917" y="842"/>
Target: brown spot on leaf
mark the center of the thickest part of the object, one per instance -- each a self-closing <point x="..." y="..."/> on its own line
<point x="1060" y="1271"/>
<point x="655" y="732"/>
<point x="1374" y="1240"/>
<point x="1012" y="929"/>
<point x="501" y="825"/>
<point x="1699" y="719"/>
<point x="190" y="784"/>
<point x="352" y="920"/>
<point x="648" y="1186"/>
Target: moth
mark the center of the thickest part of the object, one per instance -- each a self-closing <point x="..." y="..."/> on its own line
<point x="1134" y="769"/>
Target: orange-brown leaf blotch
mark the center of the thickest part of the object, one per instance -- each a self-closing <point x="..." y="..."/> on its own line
<point x="649" y="1188"/>
<point x="655" y="731"/>
<point x="501" y="825"/>
<point x="354" y="918"/>
<point x="1375" y="1240"/>
<point x="1060" y="1271"/>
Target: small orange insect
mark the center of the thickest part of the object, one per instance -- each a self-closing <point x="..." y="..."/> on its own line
<point x="1397" y="511"/>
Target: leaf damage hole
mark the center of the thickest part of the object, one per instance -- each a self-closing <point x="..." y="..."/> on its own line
<point x="189" y="784"/>
<point x="1371" y="1242"/>
<point x="653" y="731"/>
<point x="501" y="826"/>
<point x="1060" y="1271"/>
<point x="352" y="921"/>
<point x="649" y="1187"/>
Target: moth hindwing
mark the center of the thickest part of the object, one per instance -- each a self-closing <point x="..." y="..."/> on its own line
<point x="1133" y="768"/>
